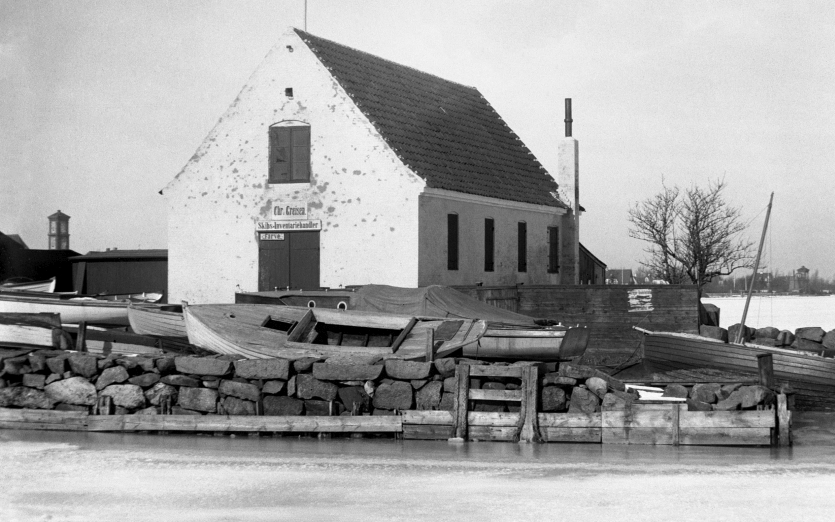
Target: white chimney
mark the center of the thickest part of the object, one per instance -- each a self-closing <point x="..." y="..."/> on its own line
<point x="568" y="179"/>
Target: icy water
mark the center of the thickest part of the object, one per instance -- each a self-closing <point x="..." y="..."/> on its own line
<point x="76" y="476"/>
<point x="783" y="312"/>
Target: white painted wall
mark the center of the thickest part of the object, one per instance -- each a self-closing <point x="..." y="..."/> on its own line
<point x="472" y="210"/>
<point x="366" y="198"/>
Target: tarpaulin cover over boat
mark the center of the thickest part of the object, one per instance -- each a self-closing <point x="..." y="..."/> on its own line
<point x="431" y="301"/>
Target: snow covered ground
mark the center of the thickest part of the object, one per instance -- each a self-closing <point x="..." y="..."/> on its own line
<point x="783" y="312"/>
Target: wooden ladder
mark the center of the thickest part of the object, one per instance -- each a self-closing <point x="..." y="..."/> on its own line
<point x="527" y="428"/>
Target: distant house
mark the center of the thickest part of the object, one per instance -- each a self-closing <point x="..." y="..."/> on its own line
<point x="117" y="271"/>
<point x="334" y="167"/>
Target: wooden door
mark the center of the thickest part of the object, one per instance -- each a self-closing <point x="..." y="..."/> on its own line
<point x="292" y="261"/>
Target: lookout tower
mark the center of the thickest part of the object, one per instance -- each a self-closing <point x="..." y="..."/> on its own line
<point x="59" y="231"/>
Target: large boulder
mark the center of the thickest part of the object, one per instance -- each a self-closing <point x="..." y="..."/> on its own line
<point x="57" y="364"/>
<point x="805" y="345"/>
<point x="235" y="406"/>
<point x="828" y="340"/>
<point x="273" y="387"/>
<point x="328" y="371"/>
<point x="305" y="364"/>
<point x="583" y="401"/>
<point x="447" y="402"/>
<point x="429" y="396"/>
<point x="74" y="390"/>
<point x="784" y="338"/>
<point x="37" y="362"/>
<point x="113" y="375"/>
<point x="556" y="379"/>
<point x="23" y="397"/>
<point x="445" y="366"/>
<point x="706" y="393"/>
<point x="732" y="402"/>
<point x="206" y="366"/>
<point x="754" y="395"/>
<point x="240" y="390"/>
<point x="34" y="380"/>
<point x="810" y="333"/>
<point x="198" y="399"/>
<point x="675" y="390"/>
<point x="309" y="387"/>
<point x="129" y="396"/>
<point x="397" y="395"/>
<point x="697" y="405"/>
<point x="146" y="380"/>
<point x="354" y="397"/>
<point x="597" y="386"/>
<point x="84" y="365"/>
<point x="160" y="392"/>
<point x="553" y="398"/>
<point x="354" y="358"/>
<point x="265" y="369"/>
<point x="407" y="370"/>
<point x="618" y="400"/>
<point x="449" y="384"/>
<point x="576" y="371"/>
<point x="280" y="405"/>
<point x="733" y="330"/>
<point x="166" y="365"/>
<point x="714" y="332"/>
<point x="181" y="380"/>
<point x="768" y="332"/>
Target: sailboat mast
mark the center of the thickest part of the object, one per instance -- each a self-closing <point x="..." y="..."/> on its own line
<point x="741" y="331"/>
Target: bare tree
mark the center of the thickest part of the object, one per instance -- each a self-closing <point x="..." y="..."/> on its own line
<point x="693" y="234"/>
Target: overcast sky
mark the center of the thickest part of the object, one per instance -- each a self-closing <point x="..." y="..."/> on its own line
<point x="103" y="102"/>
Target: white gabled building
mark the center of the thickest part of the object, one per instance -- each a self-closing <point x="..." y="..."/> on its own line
<point x="334" y="167"/>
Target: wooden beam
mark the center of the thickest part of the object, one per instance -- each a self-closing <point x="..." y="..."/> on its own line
<point x="439" y="417"/>
<point x="675" y="422"/>
<point x="497" y="371"/>
<point x="765" y="364"/>
<point x="82" y="335"/>
<point x="462" y="396"/>
<point x="496" y="395"/>
<point x="430" y="345"/>
<point x="784" y="421"/>
<point x="403" y="333"/>
<point x="530" y="405"/>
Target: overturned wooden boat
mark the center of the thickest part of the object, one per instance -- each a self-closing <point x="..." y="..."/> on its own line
<point x="47" y="286"/>
<point x="157" y="320"/>
<point x="41" y="329"/>
<point x="811" y="376"/>
<point x="73" y="310"/>
<point x="263" y="331"/>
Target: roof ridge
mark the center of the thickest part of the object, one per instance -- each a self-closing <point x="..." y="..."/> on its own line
<point x="302" y="34"/>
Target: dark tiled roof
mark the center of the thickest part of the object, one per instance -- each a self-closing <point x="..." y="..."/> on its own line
<point x="447" y="133"/>
<point x="114" y="254"/>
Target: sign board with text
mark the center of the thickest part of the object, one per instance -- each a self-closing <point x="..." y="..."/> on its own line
<point x="271" y="236"/>
<point x="288" y="226"/>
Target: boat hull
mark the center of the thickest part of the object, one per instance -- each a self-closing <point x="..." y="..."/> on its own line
<point x="47" y="286"/>
<point x="811" y="376"/>
<point x="72" y="311"/>
<point x="156" y="320"/>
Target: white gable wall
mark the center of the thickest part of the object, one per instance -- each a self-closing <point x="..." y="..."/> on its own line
<point x="365" y="197"/>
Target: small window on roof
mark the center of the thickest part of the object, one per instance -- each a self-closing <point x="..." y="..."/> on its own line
<point x="289" y="154"/>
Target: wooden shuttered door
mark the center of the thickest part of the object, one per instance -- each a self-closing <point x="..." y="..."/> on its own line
<point x="553" y="249"/>
<point x="489" y="240"/>
<point x="289" y="154"/>
<point x="452" y="241"/>
<point x="522" y="242"/>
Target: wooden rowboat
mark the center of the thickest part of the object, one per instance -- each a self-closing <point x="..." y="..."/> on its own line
<point x="264" y="331"/>
<point x="157" y="320"/>
<point x="811" y="376"/>
<point x="72" y="311"/>
<point x="31" y="286"/>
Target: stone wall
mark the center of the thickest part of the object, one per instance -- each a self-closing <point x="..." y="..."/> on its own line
<point x="811" y="339"/>
<point x="342" y="385"/>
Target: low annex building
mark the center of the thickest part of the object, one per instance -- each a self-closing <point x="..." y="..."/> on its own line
<point x="334" y="167"/>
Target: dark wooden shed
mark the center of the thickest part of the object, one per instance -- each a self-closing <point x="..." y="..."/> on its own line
<point x="121" y="272"/>
<point x="17" y="261"/>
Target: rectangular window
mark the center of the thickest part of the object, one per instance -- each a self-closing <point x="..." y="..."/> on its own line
<point x="553" y="250"/>
<point x="489" y="239"/>
<point x="522" y="243"/>
<point x="452" y="241"/>
<point x="289" y="154"/>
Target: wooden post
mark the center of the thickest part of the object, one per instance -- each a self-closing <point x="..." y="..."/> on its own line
<point x="430" y="345"/>
<point x="784" y="421"/>
<point x="80" y="344"/>
<point x="676" y="418"/>
<point x="530" y="406"/>
<point x="462" y="397"/>
<point x="766" y="366"/>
